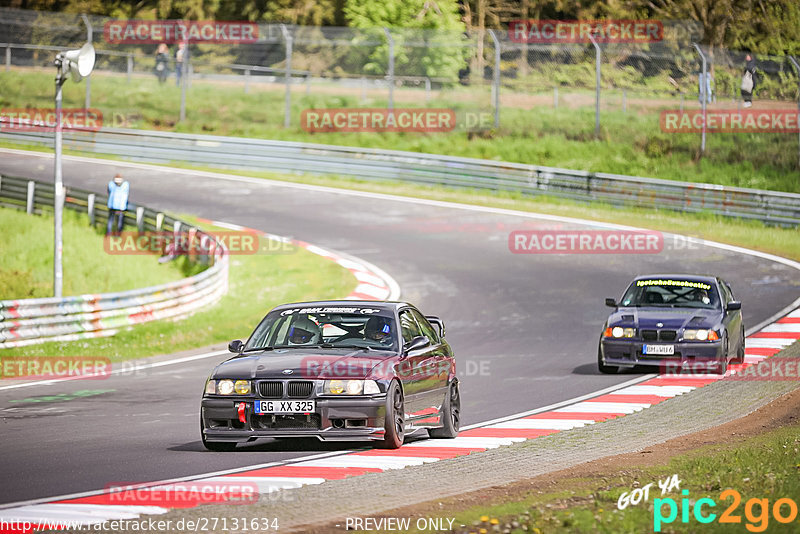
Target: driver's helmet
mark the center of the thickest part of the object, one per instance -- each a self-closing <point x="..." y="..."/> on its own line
<point x="304" y="331"/>
<point x="378" y="329"/>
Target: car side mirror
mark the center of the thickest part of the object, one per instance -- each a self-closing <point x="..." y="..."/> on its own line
<point x="611" y="303"/>
<point x="733" y="305"/>
<point x="417" y="343"/>
<point x="438" y="323"/>
<point x="235" y="346"/>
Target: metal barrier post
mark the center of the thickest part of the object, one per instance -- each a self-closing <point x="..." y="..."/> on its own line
<point x="496" y="79"/>
<point x="287" y="105"/>
<point x="246" y="81"/>
<point x="703" y="96"/>
<point x="31" y="192"/>
<point x="390" y="73"/>
<point x="159" y="221"/>
<point x="427" y="89"/>
<point x="88" y="99"/>
<point x="140" y="219"/>
<point x="90" y="208"/>
<point x="8" y="57"/>
<point x="184" y="75"/>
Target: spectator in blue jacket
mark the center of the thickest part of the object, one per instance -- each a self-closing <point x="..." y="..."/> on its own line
<point x="118" y="190"/>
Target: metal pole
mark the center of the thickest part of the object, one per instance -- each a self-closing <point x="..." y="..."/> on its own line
<point x="496" y="79"/>
<point x="390" y="39"/>
<point x="287" y="106"/>
<point x="8" y="57"/>
<point x="88" y="99"/>
<point x="58" y="196"/>
<point x="246" y="81"/>
<point x="703" y="95"/>
<point x="796" y="66"/>
<point x="427" y="89"/>
<point x="184" y="72"/>
<point x="597" y="86"/>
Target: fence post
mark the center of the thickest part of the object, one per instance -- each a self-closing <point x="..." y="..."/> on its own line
<point x="140" y="219"/>
<point x="496" y="79"/>
<point x="90" y="208"/>
<point x="363" y="89"/>
<point x="246" y="81"/>
<point x="287" y="105"/>
<point x="184" y="75"/>
<point x="31" y="191"/>
<point x="159" y="221"/>
<point x="390" y="73"/>
<point x="129" y="70"/>
<point x="427" y="89"/>
<point x="796" y="66"/>
<point x="8" y="57"/>
<point x="597" y="86"/>
<point x="703" y="96"/>
<point x="88" y="100"/>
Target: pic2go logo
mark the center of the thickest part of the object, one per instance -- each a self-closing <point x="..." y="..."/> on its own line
<point x="756" y="511"/>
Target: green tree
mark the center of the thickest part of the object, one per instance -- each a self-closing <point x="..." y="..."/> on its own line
<point x="428" y="36"/>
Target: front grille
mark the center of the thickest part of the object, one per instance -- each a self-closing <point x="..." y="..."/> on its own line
<point x="668" y="335"/>
<point x="287" y="422"/>
<point x="650" y="335"/>
<point x="271" y="390"/>
<point x="299" y="389"/>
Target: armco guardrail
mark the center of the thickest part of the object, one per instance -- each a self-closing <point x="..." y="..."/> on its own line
<point x="32" y="321"/>
<point x="280" y="156"/>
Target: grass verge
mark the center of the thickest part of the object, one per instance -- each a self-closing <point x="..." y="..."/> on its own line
<point x="26" y="264"/>
<point x="257" y="283"/>
<point x="630" y="142"/>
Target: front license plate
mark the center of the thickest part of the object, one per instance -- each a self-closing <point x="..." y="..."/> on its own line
<point x="262" y="407"/>
<point x="658" y="349"/>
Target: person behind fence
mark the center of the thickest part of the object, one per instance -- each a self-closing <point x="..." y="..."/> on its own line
<point x="709" y="92"/>
<point x="749" y="81"/>
<point x="180" y="54"/>
<point x="118" y="190"/>
<point x="162" y="62"/>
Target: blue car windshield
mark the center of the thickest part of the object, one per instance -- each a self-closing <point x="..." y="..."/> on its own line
<point x="326" y="327"/>
<point x="671" y="293"/>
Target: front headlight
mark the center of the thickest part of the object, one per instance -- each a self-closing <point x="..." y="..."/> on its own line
<point x="700" y="335"/>
<point x="211" y="387"/>
<point x="225" y="387"/>
<point x="619" y="331"/>
<point x="242" y="387"/>
<point x="345" y="387"/>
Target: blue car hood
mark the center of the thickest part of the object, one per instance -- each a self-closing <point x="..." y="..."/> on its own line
<point x="670" y="318"/>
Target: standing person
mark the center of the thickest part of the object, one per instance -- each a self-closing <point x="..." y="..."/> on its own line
<point x="118" y="190"/>
<point x="162" y="62"/>
<point x="749" y="81"/>
<point x="180" y="54"/>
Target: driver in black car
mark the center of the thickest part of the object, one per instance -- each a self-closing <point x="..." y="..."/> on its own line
<point x="378" y="329"/>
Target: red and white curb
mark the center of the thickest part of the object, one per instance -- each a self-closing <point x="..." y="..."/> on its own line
<point x="373" y="283"/>
<point x="270" y="478"/>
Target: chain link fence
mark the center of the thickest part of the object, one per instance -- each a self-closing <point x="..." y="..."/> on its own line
<point x="580" y="90"/>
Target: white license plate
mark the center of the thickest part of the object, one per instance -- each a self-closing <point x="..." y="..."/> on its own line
<point x="280" y="406"/>
<point x="658" y="349"/>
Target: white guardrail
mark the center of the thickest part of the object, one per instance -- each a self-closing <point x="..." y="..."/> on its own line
<point x="770" y="207"/>
<point x="32" y="321"/>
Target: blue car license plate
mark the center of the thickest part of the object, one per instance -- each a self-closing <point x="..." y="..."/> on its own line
<point x="283" y="407"/>
<point x="666" y="350"/>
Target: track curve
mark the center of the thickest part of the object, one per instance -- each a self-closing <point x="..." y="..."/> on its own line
<point x="524" y="327"/>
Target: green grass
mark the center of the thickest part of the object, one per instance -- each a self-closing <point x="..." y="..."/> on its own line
<point x="761" y="467"/>
<point x="26" y="264"/>
<point x="257" y="283"/>
<point x="630" y="143"/>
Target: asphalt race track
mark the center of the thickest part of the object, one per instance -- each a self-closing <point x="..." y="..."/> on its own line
<point x="524" y="327"/>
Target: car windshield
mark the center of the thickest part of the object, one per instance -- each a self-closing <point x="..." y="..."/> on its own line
<point x="326" y="327"/>
<point x="671" y="293"/>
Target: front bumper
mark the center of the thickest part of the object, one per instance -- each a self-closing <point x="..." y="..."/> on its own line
<point x="627" y="353"/>
<point x="342" y="419"/>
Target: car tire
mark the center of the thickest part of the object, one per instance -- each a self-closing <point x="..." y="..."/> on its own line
<point x="602" y="367"/>
<point x="395" y="420"/>
<point x="740" y="350"/>
<point x="216" y="446"/>
<point x="722" y="365"/>
<point x="451" y="414"/>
